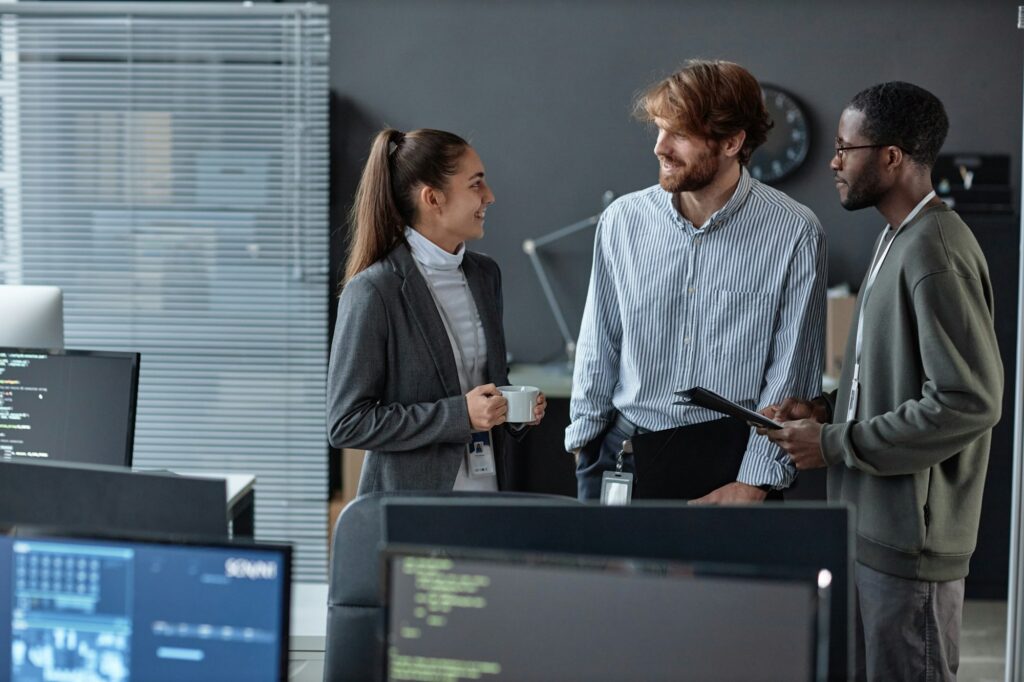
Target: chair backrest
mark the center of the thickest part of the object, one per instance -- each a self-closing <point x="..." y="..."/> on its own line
<point x="354" y="646"/>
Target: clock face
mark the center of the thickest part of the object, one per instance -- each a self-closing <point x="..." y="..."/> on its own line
<point x="788" y="140"/>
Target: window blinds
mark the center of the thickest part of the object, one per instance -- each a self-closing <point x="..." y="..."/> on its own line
<point x="166" y="165"/>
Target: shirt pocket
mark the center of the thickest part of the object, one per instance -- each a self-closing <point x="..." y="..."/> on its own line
<point x="740" y="337"/>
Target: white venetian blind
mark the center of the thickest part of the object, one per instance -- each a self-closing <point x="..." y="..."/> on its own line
<point x="166" y="165"/>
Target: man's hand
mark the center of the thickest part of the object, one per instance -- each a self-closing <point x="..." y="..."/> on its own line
<point x="802" y="441"/>
<point x="791" y="409"/>
<point x="732" y="493"/>
<point x="487" y="407"/>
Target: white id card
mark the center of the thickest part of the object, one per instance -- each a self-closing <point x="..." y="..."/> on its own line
<point x="616" y="488"/>
<point x="851" y="410"/>
<point x="480" y="455"/>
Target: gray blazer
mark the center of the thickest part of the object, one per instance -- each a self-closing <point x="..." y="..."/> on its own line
<point x="393" y="387"/>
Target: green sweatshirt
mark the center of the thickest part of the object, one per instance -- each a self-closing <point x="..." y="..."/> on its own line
<point x="913" y="461"/>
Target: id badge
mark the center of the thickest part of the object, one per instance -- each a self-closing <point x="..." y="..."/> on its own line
<point x="480" y="455"/>
<point x="851" y="409"/>
<point x="616" y="488"/>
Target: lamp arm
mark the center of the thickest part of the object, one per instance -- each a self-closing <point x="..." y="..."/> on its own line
<point x="530" y="247"/>
<point x="564" y="232"/>
<point x="549" y="295"/>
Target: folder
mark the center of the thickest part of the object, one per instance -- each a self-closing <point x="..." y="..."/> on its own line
<point x="702" y="397"/>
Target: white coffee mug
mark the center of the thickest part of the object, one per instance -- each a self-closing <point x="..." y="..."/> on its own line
<point x="521" y="402"/>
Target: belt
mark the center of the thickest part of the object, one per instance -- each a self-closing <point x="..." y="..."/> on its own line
<point x="627" y="427"/>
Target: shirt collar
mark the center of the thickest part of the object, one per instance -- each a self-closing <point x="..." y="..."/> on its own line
<point x="738" y="198"/>
<point x="430" y="255"/>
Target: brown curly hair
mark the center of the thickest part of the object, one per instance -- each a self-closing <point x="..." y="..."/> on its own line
<point x="710" y="99"/>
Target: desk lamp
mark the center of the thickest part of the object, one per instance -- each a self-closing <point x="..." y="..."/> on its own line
<point x="531" y="246"/>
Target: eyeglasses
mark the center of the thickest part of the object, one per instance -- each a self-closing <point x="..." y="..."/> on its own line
<point x="841" y="151"/>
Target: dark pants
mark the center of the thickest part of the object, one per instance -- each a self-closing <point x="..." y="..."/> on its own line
<point x="673" y="462"/>
<point x="598" y="456"/>
<point x="907" y="629"/>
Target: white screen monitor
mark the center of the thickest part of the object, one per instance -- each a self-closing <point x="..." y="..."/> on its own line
<point x="31" y="316"/>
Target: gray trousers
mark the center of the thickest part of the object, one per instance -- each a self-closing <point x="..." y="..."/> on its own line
<point x="907" y="629"/>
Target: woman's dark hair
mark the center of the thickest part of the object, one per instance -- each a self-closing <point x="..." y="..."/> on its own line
<point x="399" y="164"/>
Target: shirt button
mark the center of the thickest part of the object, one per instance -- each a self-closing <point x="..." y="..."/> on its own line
<point x="690" y="290"/>
<point x="686" y="340"/>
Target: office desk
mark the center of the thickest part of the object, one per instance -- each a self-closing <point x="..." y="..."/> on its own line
<point x="542" y="464"/>
<point x="554" y="379"/>
<point x="241" y="493"/>
<point x="308" y="632"/>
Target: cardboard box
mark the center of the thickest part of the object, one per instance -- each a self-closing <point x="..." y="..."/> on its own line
<point x="838" y="320"/>
<point x="351" y="468"/>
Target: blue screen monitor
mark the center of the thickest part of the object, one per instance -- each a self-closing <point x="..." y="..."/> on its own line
<point x="544" y="617"/>
<point x="68" y="406"/>
<point x="116" y="610"/>
<point x="32" y="316"/>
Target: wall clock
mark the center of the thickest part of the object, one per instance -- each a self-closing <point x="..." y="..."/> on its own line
<point x="788" y="140"/>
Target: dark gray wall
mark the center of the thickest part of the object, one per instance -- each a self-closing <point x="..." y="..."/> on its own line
<point x="543" y="90"/>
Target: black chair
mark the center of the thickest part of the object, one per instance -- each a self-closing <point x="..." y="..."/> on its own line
<point x="354" y="645"/>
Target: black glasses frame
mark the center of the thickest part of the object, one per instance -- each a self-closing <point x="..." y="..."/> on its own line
<point x="841" y="151"/>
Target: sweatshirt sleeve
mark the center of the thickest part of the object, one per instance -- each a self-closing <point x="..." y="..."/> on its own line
<point x="357" y="416"/>
<point x="961" y="395"/>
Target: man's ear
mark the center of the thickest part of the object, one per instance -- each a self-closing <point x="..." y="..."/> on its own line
<point x="732" y="145"/>
<point x="895" y="158"/>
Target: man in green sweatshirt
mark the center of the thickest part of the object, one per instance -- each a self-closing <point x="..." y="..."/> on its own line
<point x="906" y="435"/>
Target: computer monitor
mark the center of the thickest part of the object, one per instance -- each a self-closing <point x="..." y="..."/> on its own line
<point x="69" y="406"/>
<point x="455" y="614"/>
<point x="105" y="609"/>
<point x="813" y="536"/>
<point x="88" y="498"/>
<point x="32" y="316"/>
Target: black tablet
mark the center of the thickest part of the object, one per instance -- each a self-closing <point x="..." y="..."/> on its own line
<point x="702" y="397"/>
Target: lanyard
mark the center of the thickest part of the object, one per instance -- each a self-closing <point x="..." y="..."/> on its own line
<point x="876" y="265"/>
<point x="467" y="372"/>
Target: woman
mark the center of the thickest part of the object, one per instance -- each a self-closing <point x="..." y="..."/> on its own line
<point x="419" y="347"/>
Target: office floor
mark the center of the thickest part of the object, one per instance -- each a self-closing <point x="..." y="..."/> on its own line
<point x="983" y="641"/>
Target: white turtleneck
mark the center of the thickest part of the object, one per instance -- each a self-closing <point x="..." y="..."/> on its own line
<point x="447" y="283"/>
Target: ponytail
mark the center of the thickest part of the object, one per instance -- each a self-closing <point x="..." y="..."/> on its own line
<point x="385" y="202"/>
<point x="375" y="219"/>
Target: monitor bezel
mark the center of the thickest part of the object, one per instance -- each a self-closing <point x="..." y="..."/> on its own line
<point x="28" y="532"/>
<point x="136" y="360"/>
<point x="668" y="529"/>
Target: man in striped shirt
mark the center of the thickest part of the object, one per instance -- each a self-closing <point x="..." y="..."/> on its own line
<point x="708" y="278"/>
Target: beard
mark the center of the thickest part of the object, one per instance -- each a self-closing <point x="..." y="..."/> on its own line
<point x="864" y="192"/>
<point x="692" y="176"/>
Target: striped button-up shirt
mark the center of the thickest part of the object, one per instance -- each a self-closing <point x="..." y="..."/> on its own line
<point x="736" y="305"/>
